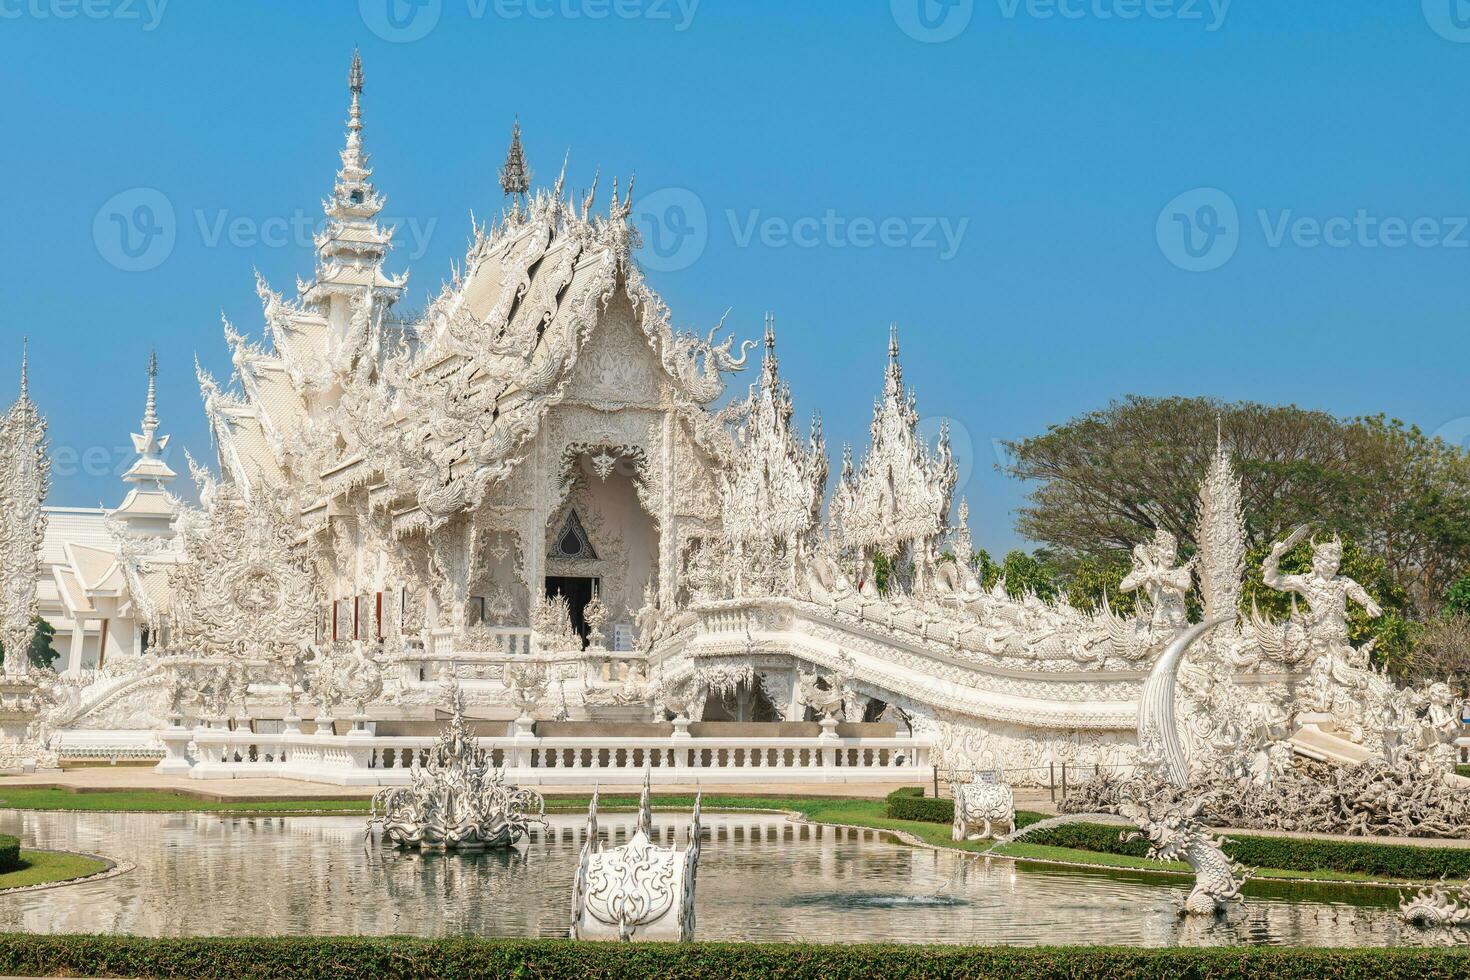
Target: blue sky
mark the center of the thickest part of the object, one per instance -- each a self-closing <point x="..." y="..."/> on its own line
<point x="1063" y="202"/>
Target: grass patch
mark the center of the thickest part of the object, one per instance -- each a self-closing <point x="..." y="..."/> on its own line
<point x="45" y="867"/>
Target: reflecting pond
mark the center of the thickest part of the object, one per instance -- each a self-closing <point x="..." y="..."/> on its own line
<point x="760" y="878"/>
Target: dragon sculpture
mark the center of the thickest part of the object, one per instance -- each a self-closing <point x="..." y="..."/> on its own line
<point x="1437" y="905"/>
<point x="1178" y="835"/>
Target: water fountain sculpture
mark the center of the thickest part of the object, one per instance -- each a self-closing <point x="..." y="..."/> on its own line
<point x="1178" y="835"/>
<point x="457" y="801"/>
<point x="639" y="890"/>
<point x="979" y="807"/>
<point x="1439" y="904"/>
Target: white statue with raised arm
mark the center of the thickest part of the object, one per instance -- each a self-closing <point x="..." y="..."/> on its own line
<point x="1326" y="592"/>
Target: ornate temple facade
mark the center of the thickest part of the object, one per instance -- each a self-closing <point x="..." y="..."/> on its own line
<point x="538" y="486"/>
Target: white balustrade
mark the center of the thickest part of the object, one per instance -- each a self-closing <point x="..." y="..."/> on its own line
<point x="360" y="759"/>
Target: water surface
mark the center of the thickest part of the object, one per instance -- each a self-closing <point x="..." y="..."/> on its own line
<point x="760" y="878"/>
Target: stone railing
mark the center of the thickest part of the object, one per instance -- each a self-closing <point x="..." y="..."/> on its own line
<point x="362" y="759"/>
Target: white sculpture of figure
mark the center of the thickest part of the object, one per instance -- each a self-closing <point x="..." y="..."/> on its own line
<point x="1440" y="727"/>
<point x="981" y="806"/>
<point x="639" y="890"/>
<point x="1332" y="679"/>
<point x="1165" y="583"/>
<point x="1325" y="591"/>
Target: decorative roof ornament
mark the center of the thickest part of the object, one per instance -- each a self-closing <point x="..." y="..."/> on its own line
<point x="150" y="472"/>
<point x="899" y="497"/>
<point x="515" y="176"/>
<point x="775" y="487"/>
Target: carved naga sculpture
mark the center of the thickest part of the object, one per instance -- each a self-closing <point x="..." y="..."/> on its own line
<point x="1179" y="836"/>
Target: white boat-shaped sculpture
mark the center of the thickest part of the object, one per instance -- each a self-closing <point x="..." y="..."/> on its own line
<point x="457" y="801"/>
<point x="638" y="891"/>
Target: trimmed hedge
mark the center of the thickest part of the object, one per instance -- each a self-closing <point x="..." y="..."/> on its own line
<point x="9" y="853"/>
<point x="395" y="957"/>
<point x="1294" y="853"/>
<point x="910" y="803"/>
<point x="1287" y="853"/>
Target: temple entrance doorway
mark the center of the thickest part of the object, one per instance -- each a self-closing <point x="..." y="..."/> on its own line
<point x="578" y="590"/>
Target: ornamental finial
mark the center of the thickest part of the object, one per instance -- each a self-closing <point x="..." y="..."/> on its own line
<point x="1219" y="434"/>
<point x="893" y="341"/>
<point x="150" y="410"/>
<point x="515" y="176"/>
<point x="354" y="85"/>
<point x="25" y="374"/>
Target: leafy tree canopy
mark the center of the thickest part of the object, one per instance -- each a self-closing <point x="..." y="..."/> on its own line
<point x="1105" y="480"/>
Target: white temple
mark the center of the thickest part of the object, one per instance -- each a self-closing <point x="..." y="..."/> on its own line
<point x="535" y="486"/>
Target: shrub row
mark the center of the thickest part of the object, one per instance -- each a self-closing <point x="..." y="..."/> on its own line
<point x="393" y="957"/>
<point x="9" y="853"/>
<point x="1288" y="853"/>
<point x="910" y="803"/>
<point x="1296" y="854"/>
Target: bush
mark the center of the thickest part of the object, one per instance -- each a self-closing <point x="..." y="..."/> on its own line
<point x="910" y="803"/>
<point x="1288" y="853"/>
<point x="9" y="853"/>
<point x="393" y="957"/>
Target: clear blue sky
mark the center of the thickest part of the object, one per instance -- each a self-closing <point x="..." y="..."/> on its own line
<point x="1055" y="143"/>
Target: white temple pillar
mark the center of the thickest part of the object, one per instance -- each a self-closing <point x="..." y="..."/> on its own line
<point x="73" y="661"/>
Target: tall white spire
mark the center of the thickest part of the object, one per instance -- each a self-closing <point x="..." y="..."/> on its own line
<point x="149" y="472"/>
<point x="350" y="252"/>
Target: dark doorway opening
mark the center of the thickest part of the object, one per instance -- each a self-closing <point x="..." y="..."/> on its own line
<point x="578" y="592"/>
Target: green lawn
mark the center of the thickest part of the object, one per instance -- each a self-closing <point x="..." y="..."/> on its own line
<point x="43" y="867"/>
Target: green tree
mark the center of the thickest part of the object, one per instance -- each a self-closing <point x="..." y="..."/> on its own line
<point x="986" y="569"/>
<point x="1395" y="632"/>
<point x="1096" y="576"/>
<point x="1457" y="597"/>
<point x="1105" y="480"/>
<point x="41" y="653"/>
<point x="1029" y="573"/>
